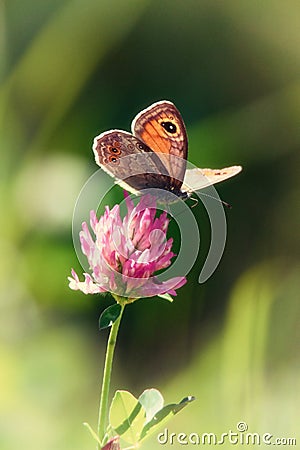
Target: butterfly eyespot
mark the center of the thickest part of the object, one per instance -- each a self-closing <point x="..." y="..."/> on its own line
<point x="170" y="127"/>
<point x="140" y="146"/>
<point x="113" y="159"/>
<point x="115" y="150"/>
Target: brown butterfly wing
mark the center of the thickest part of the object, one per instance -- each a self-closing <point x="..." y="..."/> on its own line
<point x="161" y="128"/>
<point x="130" y="161"/>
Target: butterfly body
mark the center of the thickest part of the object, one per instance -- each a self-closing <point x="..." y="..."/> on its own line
<point x="154" y="155"/>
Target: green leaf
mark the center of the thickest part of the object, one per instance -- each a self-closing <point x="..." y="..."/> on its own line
<point x="93" y="433"/>
<point x="127" y="416"/>
<point x="163" y="416"/>
<point x="152" y="401"/>
<point x="109" y="316"/>
<point x="166" y="297"/>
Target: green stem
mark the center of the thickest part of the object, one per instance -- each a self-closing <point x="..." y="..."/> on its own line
<point x="103" y="406"/>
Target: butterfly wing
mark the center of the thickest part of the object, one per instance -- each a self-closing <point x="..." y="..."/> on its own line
<point x="154" y="156"/>
<point x="197" y="179"/>
<point x="162" y="129"/>
<point x="130" y="161"/>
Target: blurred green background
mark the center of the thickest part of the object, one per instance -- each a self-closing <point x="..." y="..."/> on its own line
<point x="71" y="69"/>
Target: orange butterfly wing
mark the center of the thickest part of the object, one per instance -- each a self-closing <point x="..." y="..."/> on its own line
<point x="161" y="128"/>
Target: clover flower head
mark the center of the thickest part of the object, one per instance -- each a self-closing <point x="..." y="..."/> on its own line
<point x="124" y="254"/>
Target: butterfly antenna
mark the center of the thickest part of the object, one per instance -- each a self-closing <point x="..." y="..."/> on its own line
<point x="228" y="205"/>
<point x="218" y="199"/>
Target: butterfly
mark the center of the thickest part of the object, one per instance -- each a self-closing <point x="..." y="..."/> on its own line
<point x="154" y="155"/>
